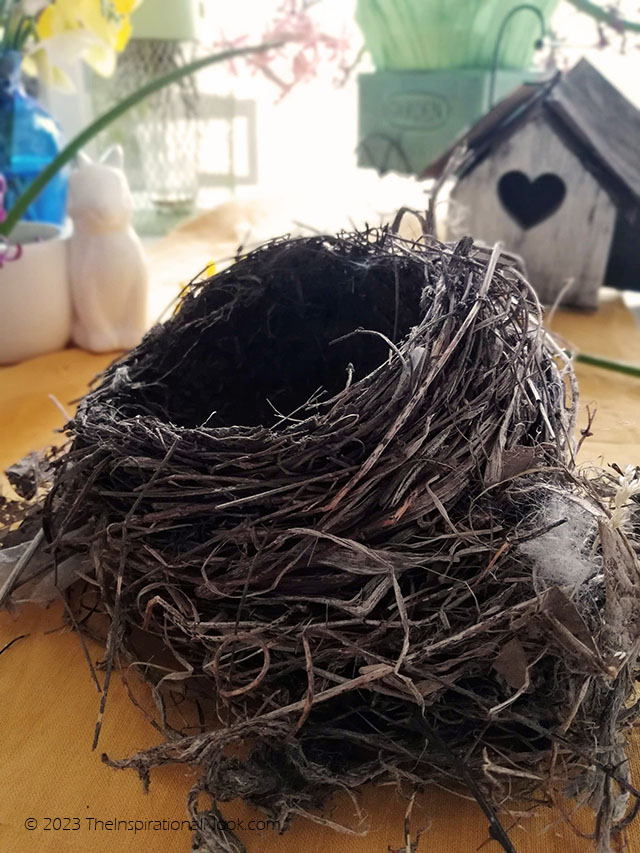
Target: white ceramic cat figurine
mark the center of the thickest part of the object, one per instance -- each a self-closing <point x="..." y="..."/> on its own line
<point x="108" y="272"/>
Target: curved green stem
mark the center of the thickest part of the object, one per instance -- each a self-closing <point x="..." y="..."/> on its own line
<point x="609" y="364"/>
<point x="34" y="189"/>
<point x="605" y="16"/>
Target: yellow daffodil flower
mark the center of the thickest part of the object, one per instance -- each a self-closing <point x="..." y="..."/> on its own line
<point x="92" y="30"/>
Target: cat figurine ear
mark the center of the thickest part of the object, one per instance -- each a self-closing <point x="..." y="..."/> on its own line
<point x="108" y="273"/>
<point x="114" y="157"/>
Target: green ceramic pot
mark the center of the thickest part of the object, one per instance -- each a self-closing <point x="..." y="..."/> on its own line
<point x="407" y="119"/>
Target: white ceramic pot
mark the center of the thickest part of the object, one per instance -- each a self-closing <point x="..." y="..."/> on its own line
<point x="35" y="301"/>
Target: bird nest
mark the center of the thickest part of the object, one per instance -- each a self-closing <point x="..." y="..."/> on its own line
<point x="335" y="496"/>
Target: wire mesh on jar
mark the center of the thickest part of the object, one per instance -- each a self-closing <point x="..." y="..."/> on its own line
<point x="160" y="137"/>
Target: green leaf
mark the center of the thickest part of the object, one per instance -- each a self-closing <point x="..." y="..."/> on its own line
<point x="34" y="189"/>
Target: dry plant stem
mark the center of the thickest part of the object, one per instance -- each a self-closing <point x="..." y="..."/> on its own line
<point x="496" y="830"/>
<point x="332" y="574"/>
<point x="11" y="642"/>
<point x="20" y="566"/>
<point x="112" y="638"/>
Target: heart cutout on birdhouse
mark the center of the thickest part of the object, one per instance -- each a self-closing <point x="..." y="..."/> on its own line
<point x="531" y="202"/>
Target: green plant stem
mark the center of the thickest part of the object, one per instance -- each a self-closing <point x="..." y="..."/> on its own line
<point x="34" y="189"/>
<point x="609" y="364"/>
<point x="6" y="14"/>
<point x="605" y="16"/>
<point x="26" y="27"/>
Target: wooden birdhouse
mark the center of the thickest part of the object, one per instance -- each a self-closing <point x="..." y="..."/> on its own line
<point x="553" y="172"/>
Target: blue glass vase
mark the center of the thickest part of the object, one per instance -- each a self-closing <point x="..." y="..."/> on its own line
<point x="29" y="140"/>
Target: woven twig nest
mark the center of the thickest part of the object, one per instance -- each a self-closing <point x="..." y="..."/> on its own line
<point x="337" y="489"/>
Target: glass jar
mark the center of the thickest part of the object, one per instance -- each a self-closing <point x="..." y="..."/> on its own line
<point x="29" y="140"/>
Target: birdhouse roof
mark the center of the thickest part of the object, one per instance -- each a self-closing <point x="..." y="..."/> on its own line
<point x="585" y="109"/>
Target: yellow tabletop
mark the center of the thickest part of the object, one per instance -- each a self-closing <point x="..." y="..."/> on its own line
<point x="48" y="703"/>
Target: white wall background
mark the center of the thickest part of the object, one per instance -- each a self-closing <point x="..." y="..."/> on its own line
<point x="308" y="140"/>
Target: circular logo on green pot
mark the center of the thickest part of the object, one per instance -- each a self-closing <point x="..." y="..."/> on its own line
<point x="417" y="110"/>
